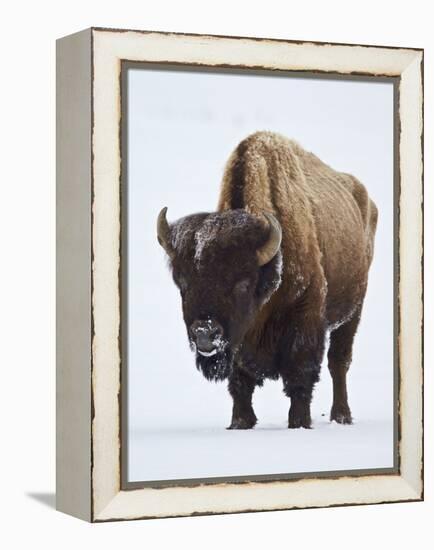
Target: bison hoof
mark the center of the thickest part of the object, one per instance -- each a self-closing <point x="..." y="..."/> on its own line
<point x="296" y="420"/>
<point x="341" y="414"/>
<point x="241" y="424"/>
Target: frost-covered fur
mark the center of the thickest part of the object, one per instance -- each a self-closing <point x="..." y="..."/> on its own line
<point x="275" y="317"/>
<point x="216" y="269"/>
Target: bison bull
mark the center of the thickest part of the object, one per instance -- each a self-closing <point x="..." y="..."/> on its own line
<point x="283" y="261"/>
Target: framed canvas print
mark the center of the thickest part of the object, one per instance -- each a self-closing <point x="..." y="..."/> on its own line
<point x="239" y="274"/>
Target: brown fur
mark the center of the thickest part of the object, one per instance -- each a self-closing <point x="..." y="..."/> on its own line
<point x="274" y="328"/>
<point x="327" y="218"/>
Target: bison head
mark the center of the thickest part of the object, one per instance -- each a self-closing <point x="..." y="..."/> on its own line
<point x="226" y="266"/>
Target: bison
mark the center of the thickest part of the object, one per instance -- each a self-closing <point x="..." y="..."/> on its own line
<point x="283" y="262"/>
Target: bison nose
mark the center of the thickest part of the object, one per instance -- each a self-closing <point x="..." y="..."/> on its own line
<point x="206" y="334"/>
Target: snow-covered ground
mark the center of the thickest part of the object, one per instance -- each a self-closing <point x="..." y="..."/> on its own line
<point x="209" y="452"/>
<point x="182" y="129"/>
<point x="192" y="441"/>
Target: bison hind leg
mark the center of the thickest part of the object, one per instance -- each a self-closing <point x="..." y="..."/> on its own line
<point x="339" y="360"/>
<point x="341" y="414"/>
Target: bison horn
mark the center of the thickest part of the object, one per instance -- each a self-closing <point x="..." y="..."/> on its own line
<point x="271" y="247"/>
<point x="163" y="232"/>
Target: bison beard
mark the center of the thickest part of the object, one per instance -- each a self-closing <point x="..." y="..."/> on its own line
<point x="283" y="261"/>
<point x="217" y="367"/>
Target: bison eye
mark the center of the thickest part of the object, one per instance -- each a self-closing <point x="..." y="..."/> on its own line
<point x="242" y="287"/>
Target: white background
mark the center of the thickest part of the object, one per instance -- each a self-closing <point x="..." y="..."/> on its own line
<point x="27" y="229"/>
<point x="182" y="127"/>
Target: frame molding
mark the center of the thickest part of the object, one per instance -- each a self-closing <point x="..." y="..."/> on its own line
<point x="73" y="274"/>
<point x="93" y="439"/>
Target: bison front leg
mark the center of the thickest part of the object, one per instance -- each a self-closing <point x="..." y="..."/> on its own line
<point x="241" y="386"/>
<point x="299" y="380"/>
<point x="301" y="397"/>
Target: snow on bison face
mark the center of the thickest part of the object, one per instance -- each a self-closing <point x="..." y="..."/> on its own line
<point x="226" y="266"/>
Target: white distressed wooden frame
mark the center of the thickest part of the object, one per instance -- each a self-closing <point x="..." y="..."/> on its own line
<point x="88" y="263"/>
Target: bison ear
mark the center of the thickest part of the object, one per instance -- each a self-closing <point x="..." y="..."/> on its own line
<point x="267" y="251"/>
<point x="164" y="234"/>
